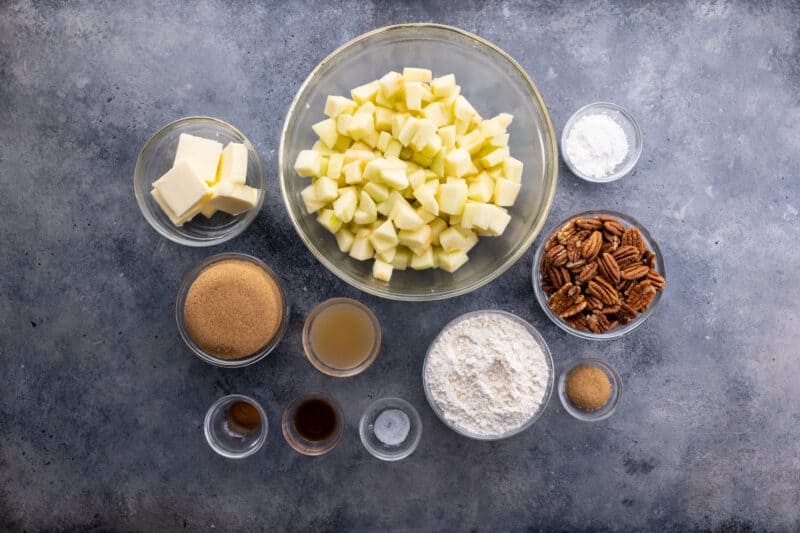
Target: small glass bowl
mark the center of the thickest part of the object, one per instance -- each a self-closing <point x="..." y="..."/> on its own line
<point x="628" y="125"/>
<point x="300" y="443"/>
<point x="388" y="452"/>
<point x="534" y="416"/>
<point x="225" y="440"/>
<point x="318" y="363"/>
<point x="542" y="297"/>
<point x="156" y="158"/>
<point x="183" y="290"/>
<point x="610" y="406"/>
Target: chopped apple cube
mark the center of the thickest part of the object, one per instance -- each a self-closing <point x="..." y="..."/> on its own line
<point x="391" y="84"/>
<point x="438" y="113"/>
<point x="426" y="132"/>
<point x="383" y="141"/>
<point x="395" y="177"/>
<point x="417" y="74"/>
<point x="361" y="248"/>
<point x="343" y="124"/>
<point x="462" y="109"/>
<point x="416" y="240"/>
<point x="365" y="93"/>
<point x="437" y="163"/>
<point x="451" y="239"/>
<point x="413" y="92"/>
<point x="425" y="215"/>
<point x="476" y="215"/>
<point x="498" y="141"/>
<point x="505" y="192"/>
<point x="471" y="142"/>
<point x="512" y="169"/>
<point x="326" y="130"/>
<point x="383" y="119"/>
<point x="393" y="149"/>
<point x="437" y="227"/>
<point x="335" y="164"/>
<point x="386" y="255"/>
<point x="404" y="216"/>
<point x="328" y="220"/>
<point x="352" y="173"/>
<point x="325" y="189"/>
<point x="408" y="131"/>
<point x="378" y="192"/>
<point x="482" y="189"/>
<point x="337" y="105"/>
<point x="381" y="270"/>
<point x="495" y="157"/>
<point x="452" y="197"/>
<point x="384" y="237"/>
<point x="344" y="238"/>
<point x="448" y="136"/>
<point x="457" y="163"/>
<point x="401" y="259"/>
<point x="444" y="86"/>
<point x="452" y="261"/>
<point x="416" y="178"/>
<point x="345" y="205"/>
<point x="358" y="154"/>
<point x="361" y="125"/>
<point x="308" y="163"/>
<point x="505" y="119"/>
<point x="426" y="196"/>
<point x="423" y="260"/>
<point x="310" y="200"/>
<point x="499" y="220"/>
<point x="470" y="236"/>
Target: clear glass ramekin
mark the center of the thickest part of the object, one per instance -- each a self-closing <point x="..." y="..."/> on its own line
<point x="610" y="406"/>
<point x="156" y="158"/>
<point x="493" y="82"/>
<point x="183" y="290"/>
<point x="542" y="297"/>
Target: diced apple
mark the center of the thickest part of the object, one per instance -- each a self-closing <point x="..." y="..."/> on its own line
<point x="381" y="270"/>
<point x="499" y="220"/>
<point x="328" y="220"/>
<point x="406" y="153"/>
<point x="426" y="131"/>
<point x="421" y="159"/>
<point x="512" y="169"/>
<point x="335" y="164"/>
<point x="437" y="163"/>
<point x="378" y="192"/>
<point x="424" y="260"/>
<point x="344" y="238"/>
<point x="505" y="119"/>
<point x="476" y="215"/>
<point x="365" y="93"/>
<point x="444" y="86"/>
<point x="362" y="248"/>
<point x="462" y="109"/>
<point x="308" y="163"/>
<point x="451" y="261"/>
<point x="391" y="84"/>
<point x="505" y="192"/>
<point x="482" y="189"/>
<point x="361" y="125"/>
<point x="413" y="95"/>
<point x="416" y="240"/>
<point x="384" y="237"/>
<point x="432" y="148"/>
<point x="438" y="113"/>
<point x="393" y="149"/>
<point x="383" y="119"/>
<point x="326" y="189"/>
<point x="398" y="121"/>
<point x="367" y="204"/>
<point x="401" y="259"/>
<point x="404" y="216"/>
<point x="437" y="227"/>
<point x="427" y="199"/>
<point x="448" y="136"/>
<point x="345" y="205"/>
<point x="452" y="197"/>
<point x="457" y="163"/>
<point x="343" y="124"/>
<point x="451" y="239"/>
<point x="352" y="173"/>
<point x="416" y="179"/>
<point x="310" y="200"/>
<point x="470" y="236"/>
<point x="425" y="215"/>
<point x="417" y="74"/>
<point x="326" y="130"/>
<point x="408" y="131"/>
<point x="495" y="157"/>
<point x="395" y="177"/>
<point x="337" y="105"/>
<point x="491" y="127"/>
<point x="342" y="144"/>
<point x="498" y="141"/>
<point x="386" y="255"/>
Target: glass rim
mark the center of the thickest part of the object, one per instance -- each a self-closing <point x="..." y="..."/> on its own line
<point x="186" y="282"/>
<point x="515" y="253"/>
<point x="541" y="296"/>
<point x="545" y="399"/>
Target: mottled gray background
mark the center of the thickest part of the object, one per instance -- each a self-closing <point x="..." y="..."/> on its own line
<point x="101" y="405"/>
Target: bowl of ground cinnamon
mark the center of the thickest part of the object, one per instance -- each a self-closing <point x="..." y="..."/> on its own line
<point x="231" y="310"/>
<point x="590" y="389"/>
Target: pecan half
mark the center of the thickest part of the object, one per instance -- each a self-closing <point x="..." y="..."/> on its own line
<point x="598" y="322"/>
<point x="626" y="313"/>
<point x="566" y="231"/>
<point x="632" y="237"/>
<point x="602" y="289"/>
<point x="650" y="259"/>
<point x="656" y="280"/>
<point x="614" y="227"/>
<point x="593" y="302"/>
<point x="587" y="273"/>
<point x="626" y="255"/>
<point x="555" y="256"/>
<point x="641" y="295"/>
<point x="609" y="244"/>
<point x="565" y="299"/>
<point x="609" y="267"/>
<point x="591" y="247"/>
<point x="589" y="223"/>
<point x="558" y="276"/>
<point x="577" y="321"/>
<point x="552" y="241"/>
<point x="634" y="271"/>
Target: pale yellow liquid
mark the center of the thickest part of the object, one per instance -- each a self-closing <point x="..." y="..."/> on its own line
<point x="342" y="336"/>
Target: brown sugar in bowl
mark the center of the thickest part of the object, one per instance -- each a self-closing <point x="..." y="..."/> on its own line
<point x="231" y="310"/>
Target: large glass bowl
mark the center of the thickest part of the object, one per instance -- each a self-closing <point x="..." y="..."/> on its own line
<point x="494" y="83"/>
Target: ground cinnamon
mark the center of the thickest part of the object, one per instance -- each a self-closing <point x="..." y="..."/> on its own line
<point x="588" y="387"/>
<point x="233" y="309"/>
<point x="243" y="417"/>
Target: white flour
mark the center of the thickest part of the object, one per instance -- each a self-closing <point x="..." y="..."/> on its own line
<point x="596" y="144"/>
<point x="487" y="374"/>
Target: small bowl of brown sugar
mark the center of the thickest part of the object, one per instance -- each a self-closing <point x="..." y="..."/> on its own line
<point x="231" y="310"/>
<point x="590" y="389"/>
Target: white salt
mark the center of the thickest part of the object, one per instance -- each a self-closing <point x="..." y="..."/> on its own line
<point x="392" y="427"/>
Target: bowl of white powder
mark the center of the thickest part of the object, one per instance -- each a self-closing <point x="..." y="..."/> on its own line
<point x="488" y="375"/>
<point x="601" y="142"/>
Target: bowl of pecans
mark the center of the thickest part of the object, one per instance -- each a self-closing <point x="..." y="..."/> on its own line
<point x="598" y="275"/>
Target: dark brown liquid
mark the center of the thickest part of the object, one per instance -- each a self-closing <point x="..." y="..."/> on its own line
<point x="315" y="420"/>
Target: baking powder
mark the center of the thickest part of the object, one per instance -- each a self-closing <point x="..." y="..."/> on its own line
<point x="596" y="144"/>
<point x="487" y="374"/>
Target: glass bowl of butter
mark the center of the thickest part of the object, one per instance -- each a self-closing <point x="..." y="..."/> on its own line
<point x="199" y="181"/>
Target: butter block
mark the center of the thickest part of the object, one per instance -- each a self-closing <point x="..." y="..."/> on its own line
<point x="199" y="153"/>
<point x="181" y="189"/>
<point x="233" y="198"/>
<point x="233" y="164"/>
<point x="176" y="220"/>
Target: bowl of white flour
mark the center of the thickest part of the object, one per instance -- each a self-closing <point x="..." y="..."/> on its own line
<point x="488" y="375"/>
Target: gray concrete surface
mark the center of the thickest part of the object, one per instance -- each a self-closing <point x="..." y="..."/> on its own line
<point x="101" y="405"/>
